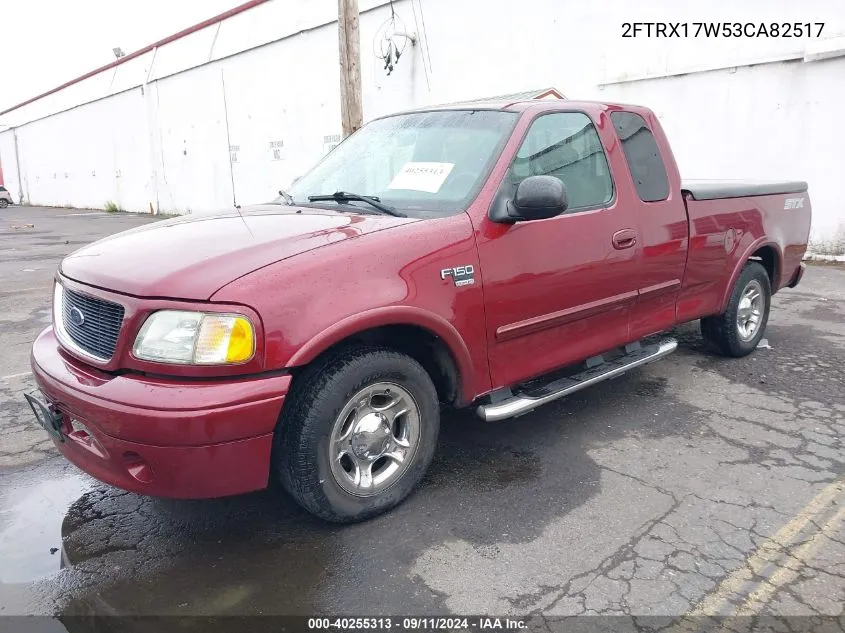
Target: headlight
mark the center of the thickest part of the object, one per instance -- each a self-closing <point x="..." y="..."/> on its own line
<point x="195" y="338"/>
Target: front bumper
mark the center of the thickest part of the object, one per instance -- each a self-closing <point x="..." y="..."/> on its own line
<point x="164" y="437"/>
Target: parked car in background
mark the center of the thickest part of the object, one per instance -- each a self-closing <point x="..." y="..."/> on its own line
<point x="5" y="197"/>
<point x="495" y="256"/>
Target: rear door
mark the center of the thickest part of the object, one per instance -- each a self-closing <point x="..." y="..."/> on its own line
<point x="660" y="215"/>
<point x="559" y="290"/>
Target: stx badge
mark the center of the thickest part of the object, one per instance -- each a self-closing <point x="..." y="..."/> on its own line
<point x="461" y="275"/>
<point x="793" y="203"/>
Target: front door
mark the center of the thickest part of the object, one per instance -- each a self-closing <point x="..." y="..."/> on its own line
<point x="559" y="290"/>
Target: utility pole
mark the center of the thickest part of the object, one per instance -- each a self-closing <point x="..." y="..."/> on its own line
<point x="351" y="112"/>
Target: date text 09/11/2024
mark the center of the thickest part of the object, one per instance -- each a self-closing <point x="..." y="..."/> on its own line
<point x="453" y="623"/>
<point x="722" y="29"/>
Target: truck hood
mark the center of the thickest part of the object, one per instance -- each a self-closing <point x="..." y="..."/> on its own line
<point x="191" y="258"/>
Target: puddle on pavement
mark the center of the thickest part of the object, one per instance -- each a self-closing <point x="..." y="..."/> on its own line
<point x="206" y="557"/>
<point x="31" y="527"/>
<point x="262" y="554"/>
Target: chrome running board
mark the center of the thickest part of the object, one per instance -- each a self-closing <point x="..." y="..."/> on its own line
<point x="529" y="398"/>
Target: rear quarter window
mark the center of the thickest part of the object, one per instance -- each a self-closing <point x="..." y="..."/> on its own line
<point x="642" y="155"/>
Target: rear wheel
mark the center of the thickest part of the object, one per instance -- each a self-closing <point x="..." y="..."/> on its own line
<point x="3" y="203"/>
<point x="738" y="330"/>
<point x="357" y="433"/>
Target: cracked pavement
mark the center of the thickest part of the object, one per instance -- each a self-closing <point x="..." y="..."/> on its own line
<point x="697" y="486"/>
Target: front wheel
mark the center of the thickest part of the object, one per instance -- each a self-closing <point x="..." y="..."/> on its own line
<point x="738" y="330"/>
<point x="357" y="433"/>
<point x="3" y="203"/>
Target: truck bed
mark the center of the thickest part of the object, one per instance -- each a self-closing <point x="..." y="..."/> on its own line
<point x="716" y="189"/>
<point x="732" y="220"/>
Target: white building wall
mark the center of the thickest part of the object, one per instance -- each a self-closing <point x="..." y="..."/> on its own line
<point x="773" y="121"/>
<point x="153" y="131"/>
<point x="189" y="137"/>
<point x="87" y="156"/>
<point x="8" y="161"/>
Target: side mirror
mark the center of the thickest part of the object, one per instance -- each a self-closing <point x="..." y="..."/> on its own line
<point x="537" y="198"/>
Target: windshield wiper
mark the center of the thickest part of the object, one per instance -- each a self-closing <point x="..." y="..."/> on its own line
<point x="345" y="196"/>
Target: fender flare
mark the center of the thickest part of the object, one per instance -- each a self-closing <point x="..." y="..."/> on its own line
<point x="755" y="245"/>
<point x="393" y="315"/>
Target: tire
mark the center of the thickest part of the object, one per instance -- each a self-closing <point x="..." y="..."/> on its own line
<point x="321" y="445"/>
<point x="3" y="203"/>
<point x="725" y="332"/>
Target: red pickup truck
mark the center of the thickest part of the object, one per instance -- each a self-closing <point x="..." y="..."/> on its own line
<point x="498" y="256"/>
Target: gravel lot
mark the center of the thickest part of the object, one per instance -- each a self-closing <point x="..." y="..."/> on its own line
<point x="697" y="485"/>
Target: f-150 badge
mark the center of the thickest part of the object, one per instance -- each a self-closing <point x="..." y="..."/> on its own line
<point x="461" y="275"/>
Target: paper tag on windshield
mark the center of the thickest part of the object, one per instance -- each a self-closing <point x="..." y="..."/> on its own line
<point x="421" y="176"/>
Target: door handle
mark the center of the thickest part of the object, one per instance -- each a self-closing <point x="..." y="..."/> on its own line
<point x="626" y="238"/>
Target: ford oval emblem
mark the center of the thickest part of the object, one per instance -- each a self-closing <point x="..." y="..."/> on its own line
<point x="76" y="316"/>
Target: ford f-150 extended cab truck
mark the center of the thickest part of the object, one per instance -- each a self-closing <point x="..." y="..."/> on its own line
<point x="495" y="256"/>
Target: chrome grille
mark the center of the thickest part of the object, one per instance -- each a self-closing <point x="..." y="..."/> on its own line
<point x="97" y="330"/>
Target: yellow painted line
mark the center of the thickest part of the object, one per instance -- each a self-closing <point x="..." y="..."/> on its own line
<point x="772" y="550"/>
<point x="784" y="575"/>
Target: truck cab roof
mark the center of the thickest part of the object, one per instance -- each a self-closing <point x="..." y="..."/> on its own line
<point x="523" y="105"/>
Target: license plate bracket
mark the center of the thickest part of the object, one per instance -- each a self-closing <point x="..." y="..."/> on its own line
<point x="46" y="414"/>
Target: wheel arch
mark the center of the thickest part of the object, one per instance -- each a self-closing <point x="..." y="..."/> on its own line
<point x="429" y="339"/>
<point x="763" y="251"/>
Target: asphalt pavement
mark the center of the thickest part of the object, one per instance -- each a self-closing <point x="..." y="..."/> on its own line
<point x="693" y="487"/>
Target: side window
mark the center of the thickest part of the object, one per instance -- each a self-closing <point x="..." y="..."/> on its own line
<point x="566" y="145"/>
<point x="642" y="155"/>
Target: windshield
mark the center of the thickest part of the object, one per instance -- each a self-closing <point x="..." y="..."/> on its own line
<point x="423" y="164"/>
